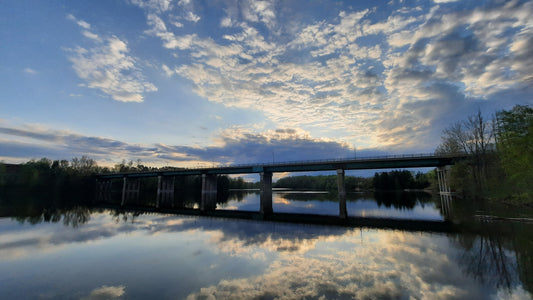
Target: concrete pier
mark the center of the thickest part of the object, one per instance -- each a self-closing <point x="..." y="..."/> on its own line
<point x="130" y="189"/>
<point x="342" y="194"/>
<point x="266" y="193"/>
<point x="165" y="190"/>
<point x="442" y="177"/>
<point x="209" y="192"/>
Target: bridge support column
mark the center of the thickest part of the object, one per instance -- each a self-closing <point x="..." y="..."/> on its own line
<point x="103" y="189"/>
<point x="209" y="192"/>
<point x="165" y="190"/>
<point x="442" y="177"/>
<point x="342" y="194"/>
<point x="130" y="189"/>
<point x="266" y="193"/>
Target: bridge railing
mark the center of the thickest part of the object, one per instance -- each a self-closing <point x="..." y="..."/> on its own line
<point x="316" y="161"/>
<point x="362" y="158"/>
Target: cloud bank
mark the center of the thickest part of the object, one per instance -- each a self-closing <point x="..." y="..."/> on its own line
<point x="234" y="146"/>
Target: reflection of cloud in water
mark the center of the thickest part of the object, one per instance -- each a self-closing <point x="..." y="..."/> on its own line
<point x="106" y="292"/>
<point x="303" y="260"/>
<point x="382" y="264"/>
<point x="279" y="200"/>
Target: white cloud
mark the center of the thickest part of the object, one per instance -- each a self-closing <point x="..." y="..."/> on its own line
<point x="167" y="70"/>
<point x="80" y="23"/>
<point x="192" y="17"/>
<point x="155" y="5"/>
<point x="106" y="292"/>
<point x="107" y="66"/>
<point x="30" y="71"/>
<point x="91" y="35"/>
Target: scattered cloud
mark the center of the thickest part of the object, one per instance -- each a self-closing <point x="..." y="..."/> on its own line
<point x="353" y="76"/>
<point x="80" y="23"/>
<point x="108" y="67"/>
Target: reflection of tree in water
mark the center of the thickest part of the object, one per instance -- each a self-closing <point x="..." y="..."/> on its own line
<point x="237" y="196"/>
<point x="401" y="200"/>
<point x="126" y="216"/>
<point x="500" y="255"/>
<point x="35" y="207"/>
<point x="73" y="216"/>
<point x="76" y="216"/>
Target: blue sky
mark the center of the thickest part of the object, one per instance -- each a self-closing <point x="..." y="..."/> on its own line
<point x="189" y="83"/>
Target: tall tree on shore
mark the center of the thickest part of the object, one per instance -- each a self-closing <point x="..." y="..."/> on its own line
<point x="473" y="136"/>
<point x="514" y="135"/>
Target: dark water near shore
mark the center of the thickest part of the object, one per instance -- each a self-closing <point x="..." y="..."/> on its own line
<point x="55" y="251"/>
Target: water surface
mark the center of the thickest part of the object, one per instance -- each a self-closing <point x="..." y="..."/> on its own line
<point x="93" y="253"/>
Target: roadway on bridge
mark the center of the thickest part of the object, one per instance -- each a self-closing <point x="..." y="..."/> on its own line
<point x="384" y="162"/>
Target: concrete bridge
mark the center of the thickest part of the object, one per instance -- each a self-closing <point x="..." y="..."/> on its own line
<point x="165" y="189"/>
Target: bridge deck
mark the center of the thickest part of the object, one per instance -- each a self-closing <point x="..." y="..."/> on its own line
<point x="385" y="162"/>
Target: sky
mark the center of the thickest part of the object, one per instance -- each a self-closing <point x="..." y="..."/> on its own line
<point x="198" y="83"/>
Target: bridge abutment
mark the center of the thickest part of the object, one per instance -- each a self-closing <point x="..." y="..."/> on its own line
<point x="342" y="194"/>
<point x="266" y="193"/>
<point x="209" y="192"/>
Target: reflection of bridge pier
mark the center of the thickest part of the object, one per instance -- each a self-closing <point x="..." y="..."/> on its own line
<point x="342" y="194"/>
<point x="446" y="205"/>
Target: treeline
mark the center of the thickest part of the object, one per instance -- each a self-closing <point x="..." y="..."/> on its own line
<point x="400" y="180"/>
<point x="323" y="183"/>
<point x="501" y="155"/>
<point x="57" y="177"/>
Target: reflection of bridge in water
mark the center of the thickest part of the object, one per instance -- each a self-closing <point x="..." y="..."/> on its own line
<point x="313" y="219"/>
<point x="165" y="187"/>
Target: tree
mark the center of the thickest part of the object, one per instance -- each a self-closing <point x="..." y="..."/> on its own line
<point x="473" y="136"/>
<point x="514" y="135"/>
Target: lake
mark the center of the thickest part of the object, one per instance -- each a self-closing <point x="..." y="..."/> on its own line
<point x="49" y="250"/>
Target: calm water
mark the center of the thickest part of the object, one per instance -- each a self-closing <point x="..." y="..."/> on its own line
<point x="52" y="252"/>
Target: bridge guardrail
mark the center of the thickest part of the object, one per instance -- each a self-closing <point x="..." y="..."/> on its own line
<point x="318" y="161"/>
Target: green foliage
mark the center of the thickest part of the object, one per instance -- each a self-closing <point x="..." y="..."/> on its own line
<point x="515" y="145"/>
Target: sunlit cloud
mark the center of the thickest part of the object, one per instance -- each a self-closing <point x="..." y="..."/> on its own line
<point x="326" y="76"/>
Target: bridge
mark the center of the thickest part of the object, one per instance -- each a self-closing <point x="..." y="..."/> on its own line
<point x="165" y="188"/>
